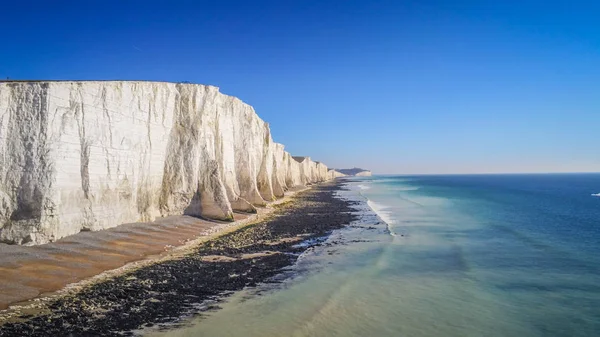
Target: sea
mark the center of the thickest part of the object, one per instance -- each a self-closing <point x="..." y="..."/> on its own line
<point x="448" y="255"/>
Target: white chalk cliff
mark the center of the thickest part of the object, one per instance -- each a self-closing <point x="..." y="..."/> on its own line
<point x="91" y="155"/>
<point x="357" y="172"/>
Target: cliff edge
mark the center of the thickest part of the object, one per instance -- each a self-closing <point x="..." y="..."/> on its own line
<point x="90" y="155"/>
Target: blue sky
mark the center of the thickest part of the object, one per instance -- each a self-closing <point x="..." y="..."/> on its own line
<point x="395" y="86"/>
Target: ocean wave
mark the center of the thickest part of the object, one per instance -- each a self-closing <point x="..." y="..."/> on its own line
<point x="363" y="187"/>
<point x="596" y="195"/>
<point x="379" y="209"/>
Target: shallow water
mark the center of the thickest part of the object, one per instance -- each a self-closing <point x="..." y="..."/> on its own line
<point x="498" y="255"/>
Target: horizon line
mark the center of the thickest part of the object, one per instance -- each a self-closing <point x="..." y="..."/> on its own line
<point x="487" y="173"/>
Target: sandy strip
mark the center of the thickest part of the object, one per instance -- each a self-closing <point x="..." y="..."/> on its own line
<point x="36" y="274"/>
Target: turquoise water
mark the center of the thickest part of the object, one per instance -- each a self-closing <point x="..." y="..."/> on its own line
<point x="480" y="255"/>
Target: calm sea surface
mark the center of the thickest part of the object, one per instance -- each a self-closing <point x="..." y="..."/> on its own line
<point x="478" y="255"/>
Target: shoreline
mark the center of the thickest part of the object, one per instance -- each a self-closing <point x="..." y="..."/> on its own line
<point x="242" y="255"/>
<point x="111" y="253"/>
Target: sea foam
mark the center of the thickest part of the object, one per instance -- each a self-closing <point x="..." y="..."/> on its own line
<point x="596" y="195"/>
<point x="384" y="215"/>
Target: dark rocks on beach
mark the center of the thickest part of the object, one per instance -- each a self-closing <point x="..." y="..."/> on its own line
<point x="165" y="291"/>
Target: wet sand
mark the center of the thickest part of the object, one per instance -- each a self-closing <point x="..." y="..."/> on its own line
<point x="161" y="292"/>
<point x="27" y="272"/>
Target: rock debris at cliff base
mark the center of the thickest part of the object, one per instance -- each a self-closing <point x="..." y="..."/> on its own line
<point x="164" y="292"/>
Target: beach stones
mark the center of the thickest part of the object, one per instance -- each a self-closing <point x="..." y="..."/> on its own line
<point x="165" y="292"/>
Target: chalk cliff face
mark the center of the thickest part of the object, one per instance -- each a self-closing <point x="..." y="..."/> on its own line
<point x="92" y="155"/>
<point x="334" y="174"/>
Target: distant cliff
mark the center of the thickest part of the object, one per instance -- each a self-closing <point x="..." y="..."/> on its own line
<point x="91" y="155"/>
<point x="355" y="172"/>
<point x="335" y="174"/>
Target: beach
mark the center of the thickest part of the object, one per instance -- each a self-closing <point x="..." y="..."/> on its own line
<point x="471" y="255"/>
<point x="162" y="290"/>
<point x="384" y="255"/>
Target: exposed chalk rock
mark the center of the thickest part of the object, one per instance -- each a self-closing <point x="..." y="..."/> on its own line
<point x="332" y="174"/>
<point x="92" y="155"/>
